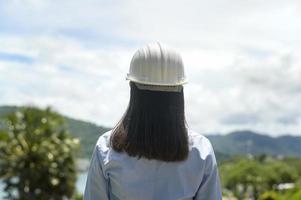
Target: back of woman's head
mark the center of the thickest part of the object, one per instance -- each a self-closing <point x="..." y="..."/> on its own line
<point x="154" y="125"/>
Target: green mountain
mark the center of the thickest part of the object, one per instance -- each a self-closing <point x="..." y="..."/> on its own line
<point x="248" y="142"/>
<point x="225" y="146"/>
<point x="87" y="132"/>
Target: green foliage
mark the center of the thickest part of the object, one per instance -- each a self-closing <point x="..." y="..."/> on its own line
<point x="293" y="194"/>
<point x="37" y="155"/>
<point x="88" y="133"/>
<point x="251" y="177"/>
<point x="243" y="176"/>
<point x="294" y="162"/>
<point x="270" y="195"/>
<point x="296" y="195"/>
<point x="78" y="196"/>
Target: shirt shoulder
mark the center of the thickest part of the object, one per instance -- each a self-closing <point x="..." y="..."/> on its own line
<point x="201" y="144"/>
<point x="102" y="147"/>
<point x="103" y="141"/>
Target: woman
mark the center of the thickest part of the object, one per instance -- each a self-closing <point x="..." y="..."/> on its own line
<point x="151" y="154"/>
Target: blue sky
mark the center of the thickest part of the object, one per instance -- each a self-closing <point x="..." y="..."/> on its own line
<point x="242" y="58"/>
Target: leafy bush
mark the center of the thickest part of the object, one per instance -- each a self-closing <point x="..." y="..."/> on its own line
<point x="37" y="155"/>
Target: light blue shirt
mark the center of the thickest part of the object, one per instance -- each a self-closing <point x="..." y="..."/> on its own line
<point x="117" y="176"/>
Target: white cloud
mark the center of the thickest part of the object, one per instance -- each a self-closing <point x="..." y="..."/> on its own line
<point x="242" y="58"/>
<point x="77" y="81"/>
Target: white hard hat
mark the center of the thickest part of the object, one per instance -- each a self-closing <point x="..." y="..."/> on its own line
<point x="157" y="65"/>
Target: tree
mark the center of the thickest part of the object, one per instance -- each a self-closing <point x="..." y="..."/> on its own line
<point x="244" y="178"/>
<point x="37" y="155"/>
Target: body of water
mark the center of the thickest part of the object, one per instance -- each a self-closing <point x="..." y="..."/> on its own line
<point x="80" y="184"/>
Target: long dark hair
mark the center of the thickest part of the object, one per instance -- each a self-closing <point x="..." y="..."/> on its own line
<point x="153" y="126"/>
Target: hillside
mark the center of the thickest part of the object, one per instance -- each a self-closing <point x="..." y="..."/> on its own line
<point x="234" y="143"/>
<point x="87" y="132"/>
<point x="248" y="142"/>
